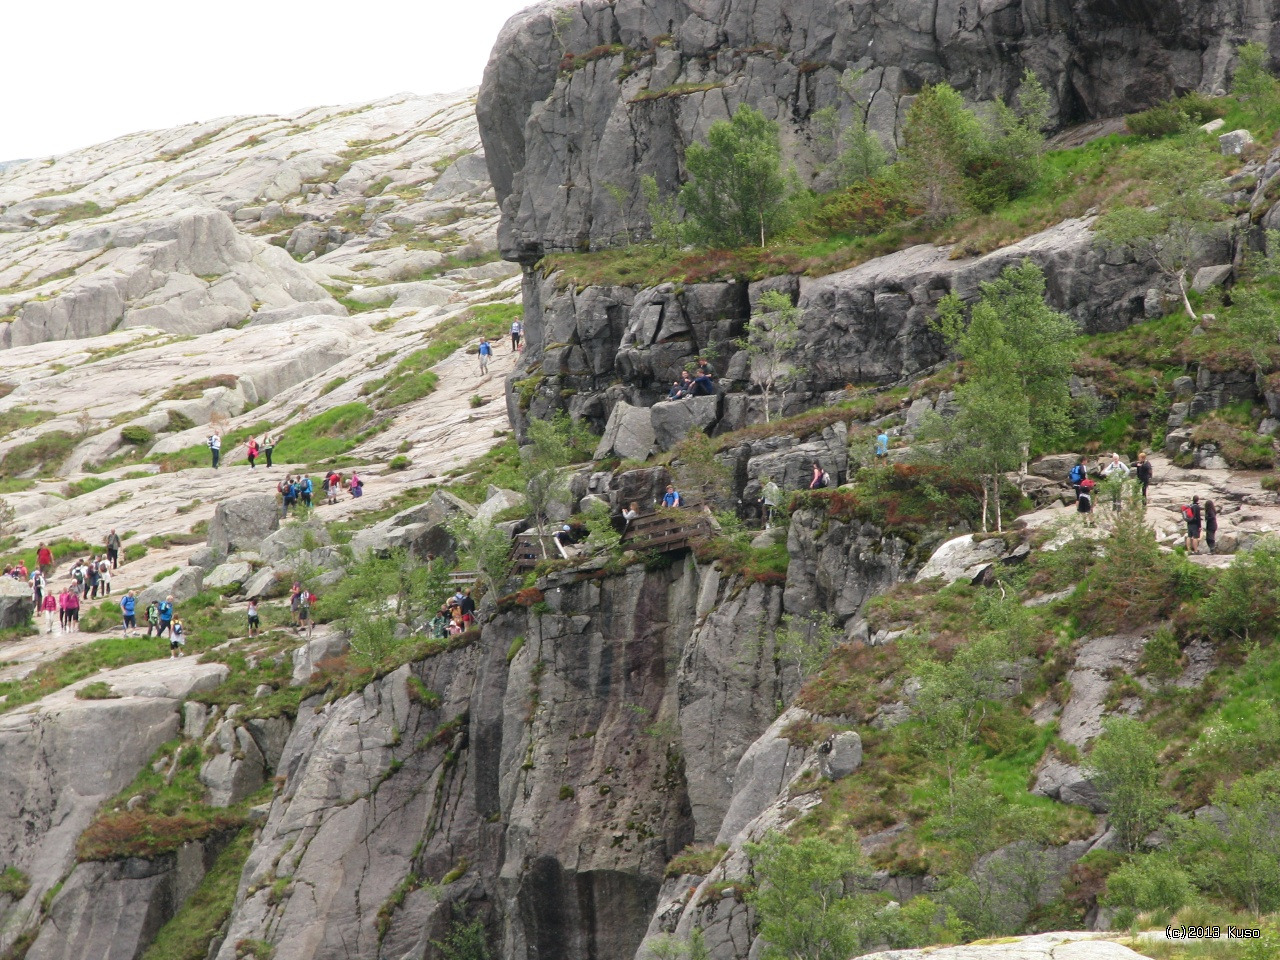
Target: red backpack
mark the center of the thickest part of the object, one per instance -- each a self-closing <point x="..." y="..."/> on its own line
<point x="1188" y="513"/>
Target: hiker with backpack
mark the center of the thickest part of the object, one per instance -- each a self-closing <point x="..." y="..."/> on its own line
<point x="1084" y="500"/>
<point x="50" y="607"/>
<point x="104" y="577"/>
<point x="356" y="487"/>
<point x="73" y="611"/>
<point x="177" y="640"/>
<point x="153" y="618"/>
<point x="113" y="549"/>
<point x="306" y="491"/>
<point x="252" y="448"/>
<point x="268" y="445"/>
<point x="128" y="609"/>
<point x="44" y="559"/>
<point x="214" y="443"/>
<point x="486" y="352"/>
<point x="1079" y="473"/>
<point x="305" y="600"/>
<point x="165" y="610"/>
<point x="288" y="491"/>
<point x="1191" y="514"/>
<point x="255" y="623"/>
<point x="821" y="479"/>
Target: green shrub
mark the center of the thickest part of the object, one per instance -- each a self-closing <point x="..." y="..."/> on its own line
<point x="44" y="454"/>
<point x="178" y="422"/>
<point x="1200" y="107"/>
<point x="14" y="883"/>
<point x="98" y="690"/>
<point x="136" y="435"/>
<point x="1153" y="882"/>
<point x="164" y="573"/>
<point x="399" y="462"/>
<point x="134" y="551"/>
<point x="477" y="401"/>
<point x="1246" y="596"/>
<point x="1162" y="120"/>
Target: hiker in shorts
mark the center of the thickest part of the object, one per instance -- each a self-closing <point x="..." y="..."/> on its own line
<point x="486" y="352"/>
<point x="177" y="640"/>
<point x="129" y="609"/>
<point x="255" y="624"/>
<point x="73" y="612"/>
<point x="1191" y="514"/>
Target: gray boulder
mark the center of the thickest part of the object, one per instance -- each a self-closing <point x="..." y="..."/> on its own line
<point x="962" y="558"/>
<point x="237" y="771"/>
<point x="629" y="434"/>
<point x="840" y="755"/>
<point x="673" y="420"/>
<point x="243" y="523"/>
<point x="1232" y="144"/>
<point x="1067" y="783"/>
<point x="498" y="501"/>
<point x="292" y="537"/>
<point x="228" y="574"/>
<point x="1209" y="277"/>
<point x="206" y="558"/>
<point x="15" y="603"/>
<point x="264" y="585"/>
<point x="182" y="585"/>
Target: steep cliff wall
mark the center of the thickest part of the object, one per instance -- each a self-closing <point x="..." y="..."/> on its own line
<point x="583" y="94"/>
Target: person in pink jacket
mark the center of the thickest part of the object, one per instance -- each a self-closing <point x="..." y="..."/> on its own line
<point x="73" y="611"/>
<point x="50" y="607"/>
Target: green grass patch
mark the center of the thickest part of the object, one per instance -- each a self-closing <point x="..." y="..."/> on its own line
<point x="500" y="467"/>
<point x="19" y="418"/>
<point x="194" y="389"/>
<point x="188" y="934"/>
<point x="43" y="455"/>
<point x="87" y="485"/>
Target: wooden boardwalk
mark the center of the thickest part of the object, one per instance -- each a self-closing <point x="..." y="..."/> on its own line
<point x="663" y="531"/>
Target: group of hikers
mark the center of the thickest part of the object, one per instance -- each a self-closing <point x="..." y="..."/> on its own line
<point x="1200" y="518"/>
<point x="485" y="348"/>
<point x="299" y="490"/>
<point x="253" y="448"/>
<point x="456" y="615"/>
<point x="700" y="383"/>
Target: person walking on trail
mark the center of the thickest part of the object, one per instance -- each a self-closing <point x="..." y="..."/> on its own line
<point x="153" y="618"/>
<point x="44" y="559"/>
<point x="1210" y="524"/>
<point x="486" y="352"/>
<point x="215" y="447"/>
<point x="1191" y="514"/>
<point x="104" y="577"/>
<point x="165" y="610"/>
<point x="306" y="492"/>
<point x="268" y="445"/>
<point x="50" y="607"/>
<point x="73" y="611"/>
<point x="113" y="549"/>
<point x="129" y="609"/>
<point x="882" y="445"/>
<point x="517" y="331"/>
<point x="93" y="578"/>
<point x="1117" y="471"/>
<point x="177" y="640"/>
<point x="288" y="495"/>
<point x="252" y="450"/>
<point x="295" y="606"/>
<point x="37" y="590"/>
<point x="1143" y="473"/>
<point x="771" y="496"/>
<point x="305" y="599"/>
<point x="1084" y="501"/>
<point x="1079" y="473"/>
<point x="255" y="623"/>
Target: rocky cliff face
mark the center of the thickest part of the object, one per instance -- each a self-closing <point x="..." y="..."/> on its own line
<point x="579" y="95"/>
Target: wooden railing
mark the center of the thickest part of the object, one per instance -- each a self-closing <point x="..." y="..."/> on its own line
<point x="666" y="530"/>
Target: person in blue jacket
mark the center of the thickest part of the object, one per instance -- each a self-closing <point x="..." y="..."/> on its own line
<point x="129" y="607"/>
<point x="165" y="609"/>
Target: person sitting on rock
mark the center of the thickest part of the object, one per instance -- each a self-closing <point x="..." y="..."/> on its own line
<point x="703" y="386"/>
<point x="676" y="392"/>
<point x="672" y="497"/>
<point x="686" y="383"/>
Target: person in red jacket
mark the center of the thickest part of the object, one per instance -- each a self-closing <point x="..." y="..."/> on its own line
<point x="44" y="559"/>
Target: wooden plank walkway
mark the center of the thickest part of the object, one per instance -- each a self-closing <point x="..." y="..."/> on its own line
<point x="666" y="530"/>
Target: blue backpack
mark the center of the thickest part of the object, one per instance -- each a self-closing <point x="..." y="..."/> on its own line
<point x="1077" y="474"/>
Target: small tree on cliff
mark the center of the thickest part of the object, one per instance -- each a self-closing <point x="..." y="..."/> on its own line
<point x="1181" y="213"/>
<point x="1017" y="352"/>
<point x="736" y="192"/>
<point x="771" y="336"/>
